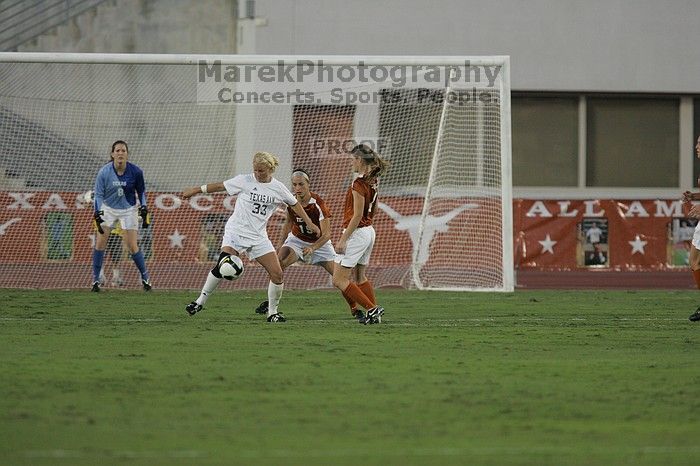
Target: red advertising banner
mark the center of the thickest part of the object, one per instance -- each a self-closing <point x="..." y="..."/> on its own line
<point x="615" y="234"/>
<point x="626" y="235"/>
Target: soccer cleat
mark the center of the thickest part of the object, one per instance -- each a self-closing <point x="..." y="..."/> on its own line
<point x="193" y="308"/>
<point x="146" y="285"/>
<point x="277" y="317"/>
<point x="695" y="316"/>
<point x="374" y="315"/>
<point x="360" y="316"/>
<point x="95" y="287"/>
<point x="262" y="308"/>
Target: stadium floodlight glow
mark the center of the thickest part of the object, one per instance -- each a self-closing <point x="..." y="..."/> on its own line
<point x="444" y="216"/>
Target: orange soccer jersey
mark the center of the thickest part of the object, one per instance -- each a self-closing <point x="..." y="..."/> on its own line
<point x="316" y="210"/>
<point x="369" y="192"/>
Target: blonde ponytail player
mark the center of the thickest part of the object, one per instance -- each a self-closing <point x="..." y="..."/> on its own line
<point x="259" y="195"/>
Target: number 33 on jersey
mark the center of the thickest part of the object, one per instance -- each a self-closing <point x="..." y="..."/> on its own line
<point x="260" y="200"/>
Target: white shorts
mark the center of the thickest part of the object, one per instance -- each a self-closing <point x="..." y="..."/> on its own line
<point x="128" y="218"/>
<point x="358" y="248"/>
<point x="696" y="237"/>
<point x="252" y="248"/>
<point x="325" y="253"/>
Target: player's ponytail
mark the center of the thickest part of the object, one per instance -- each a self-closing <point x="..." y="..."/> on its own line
<point x="267" y="158"/>
<point x="379" y="167"/>
<point x="370" y="157"/>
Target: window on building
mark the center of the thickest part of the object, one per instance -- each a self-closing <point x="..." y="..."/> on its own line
<point x="545" y="140"/>
<point x="632" y="142"/>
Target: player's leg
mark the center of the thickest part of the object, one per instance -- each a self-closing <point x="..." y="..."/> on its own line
<point x="356" y="248"/>
<point x="350" y="291"/>
<point x="211" y="283"/>
<point x="131" y="239"/>
<point x="356" y="245"/>
<point x="98" y="254"/>
<point x="352" y="304"/>
<point x="271" y="264"/>
<point x="287" y="256"/>
<point x="325" y="257"/>
<point x="231" y="244"/>
<point x="360" y="270"/>
<point x="330" y="268"/>
<point x="694" y="262"/>
<point x="375" y="314"/>
<point x="363" y="282"/>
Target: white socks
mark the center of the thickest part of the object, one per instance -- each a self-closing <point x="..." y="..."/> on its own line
<point x="274" y="293"/>
<point x="209" y="287"/>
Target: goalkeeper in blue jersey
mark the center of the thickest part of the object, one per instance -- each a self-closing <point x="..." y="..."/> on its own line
<point x="119" y="184"/>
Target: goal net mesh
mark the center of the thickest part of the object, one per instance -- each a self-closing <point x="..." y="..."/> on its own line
<point x="443" y="208"/>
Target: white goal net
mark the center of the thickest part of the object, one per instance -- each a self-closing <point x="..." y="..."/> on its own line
<point x="443" y="123"/>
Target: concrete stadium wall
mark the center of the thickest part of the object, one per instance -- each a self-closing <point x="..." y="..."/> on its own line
<point x="555" y="45"/>
<point x="145" y="26"/>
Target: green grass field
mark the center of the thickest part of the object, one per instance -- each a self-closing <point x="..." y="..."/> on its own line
<point x="533" y="377"/>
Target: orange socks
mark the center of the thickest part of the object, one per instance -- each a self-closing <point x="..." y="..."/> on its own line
<point x="362" y="293"/>
<point x="356" y="294"/>
<point x="367" y="289"/>
<point x="351" y="302"/>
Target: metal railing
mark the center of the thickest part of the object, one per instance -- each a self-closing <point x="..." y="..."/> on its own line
<point x="24" y="20"/>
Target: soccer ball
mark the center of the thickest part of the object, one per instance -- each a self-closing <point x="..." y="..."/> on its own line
<point x="88" y="197"/>
<point x="231" y="267"/>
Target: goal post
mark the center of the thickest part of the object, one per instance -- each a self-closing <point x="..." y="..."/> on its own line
<point x="444" y="216"/>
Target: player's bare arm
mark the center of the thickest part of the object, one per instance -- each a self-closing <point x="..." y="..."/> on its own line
<point x="286" y="228"/>
<point x="204" y="189"/>
<point x="323" y="239"/>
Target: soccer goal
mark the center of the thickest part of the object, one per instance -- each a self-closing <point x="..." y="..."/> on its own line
<point x="444" y="213"/>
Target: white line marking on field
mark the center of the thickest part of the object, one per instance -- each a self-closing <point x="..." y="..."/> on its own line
<point x="115" y="454"/>
<point x="357" y="453"/>
<point x="53" y="454"/>
<point x="61" y="319"/>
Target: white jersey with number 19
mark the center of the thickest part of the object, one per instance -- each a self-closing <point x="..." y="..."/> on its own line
<point x="255" y="204"/>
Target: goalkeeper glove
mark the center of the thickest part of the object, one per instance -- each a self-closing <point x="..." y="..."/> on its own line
<point x="145" y="216"/>
<point x="99" y="220"/>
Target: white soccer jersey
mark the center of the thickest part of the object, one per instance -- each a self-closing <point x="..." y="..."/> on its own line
<point x="255" y="204"/>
